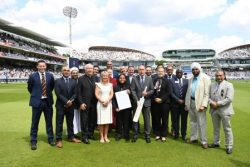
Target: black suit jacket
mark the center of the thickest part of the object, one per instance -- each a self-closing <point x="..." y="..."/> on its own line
<point x="165" y="91"/>
<point x="175" y="94"/>
<point x="86" y="91"/>
<point x="63" y="93"/>
<point x="35" y="89"/>
<point x="172" y="78"/>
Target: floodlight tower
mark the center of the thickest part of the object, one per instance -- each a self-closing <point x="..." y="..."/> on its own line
<point x="70" y="12"/>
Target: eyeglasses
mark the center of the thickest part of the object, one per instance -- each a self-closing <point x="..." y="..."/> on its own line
<point x="65" y="70"/>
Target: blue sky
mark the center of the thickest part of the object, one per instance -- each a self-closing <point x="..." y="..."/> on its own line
<point x="152" y="27"/>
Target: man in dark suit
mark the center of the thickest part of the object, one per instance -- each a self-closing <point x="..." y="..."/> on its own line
<point x="170" y="76"/>
<point x="138" y="85"/>
<point x="87" y="101"/>
<point x="179" y="90"/>
<point x="65" y="89"/>
<point x="40" y="87"/>
<point x="129" y="78"/>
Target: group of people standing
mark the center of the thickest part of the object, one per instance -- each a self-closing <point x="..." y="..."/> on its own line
<point x="89" y="102"/>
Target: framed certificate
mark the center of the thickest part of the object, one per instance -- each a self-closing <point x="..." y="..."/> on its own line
<point x="123" y="100"/>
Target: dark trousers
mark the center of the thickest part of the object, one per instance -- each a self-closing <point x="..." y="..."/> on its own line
<point x="48" y="115"/>
<point x="179" y="112"/>
<point x="171" y="110"/>
<point x="69" y="113"/>
<point x="133" y="110"/>
<point x="161" y="118"/>
<point x="146" y="118"/>
<point x="87" y="122"/>
<point x="122" y="122"/>
<point x="153" y="119"/>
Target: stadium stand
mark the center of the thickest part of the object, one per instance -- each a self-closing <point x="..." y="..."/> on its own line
<point x="21" y="48"/>
<point x="99" y="55"/>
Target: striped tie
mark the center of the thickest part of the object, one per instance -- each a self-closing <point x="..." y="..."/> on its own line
<point x="43" y="85"/>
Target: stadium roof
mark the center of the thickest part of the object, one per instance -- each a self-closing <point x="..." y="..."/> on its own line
<point x="10" y="27"/>
<point x="112" y="48"/>
<point x="236" y="47"/>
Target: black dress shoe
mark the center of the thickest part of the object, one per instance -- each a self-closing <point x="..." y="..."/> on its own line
<point x="229" y="150"/>
<point x="127" y="139"/>
<point x="176" y="137"/>
<point x="134" y="139"/>
<point x="52" y="143"/>
<point x="92" y="137"/>
<point x="118" y="137"/>
<point x="33" y="146"/>
<point x="148" y="140"/>
<point x="184" y="138"/>
<point x="213" y="145"/>
<point x="85" y="141"/>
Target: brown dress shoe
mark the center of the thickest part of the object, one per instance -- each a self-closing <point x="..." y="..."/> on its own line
<point x="192" y="141"/>
<point x="74" y="140"/>
<point x="205" y="146"/>
<point x="59" y="144"/>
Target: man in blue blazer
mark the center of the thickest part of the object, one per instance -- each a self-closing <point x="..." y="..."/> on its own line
<point x="65" y="89"/>
<point x="170" y="76"/>
<point x="179" y="90"/>
<point x="40" y="87"/>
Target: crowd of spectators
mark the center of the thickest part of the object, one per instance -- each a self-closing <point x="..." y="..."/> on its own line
<point x="232" y="74"/>
<point x="19" y="74"/>
<point x="115" y="55"/>
<point x="23" y="56"/>
<point x="235" y="53"/>
<point x="18" y="42"/>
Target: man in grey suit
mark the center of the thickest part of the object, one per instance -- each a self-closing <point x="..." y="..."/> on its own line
<point x="220" y="98"/>
<point x="137" y="87"/>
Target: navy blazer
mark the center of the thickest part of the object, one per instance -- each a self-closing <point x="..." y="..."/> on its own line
<point x="115" y="74"/>
<point x="176" y="90"/>
<point x="174" y="77"/>
<point x="35" y="89"/>
<point x="63" y="93"/>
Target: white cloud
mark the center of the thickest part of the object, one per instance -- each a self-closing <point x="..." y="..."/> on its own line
<point x="166" y="12"/>
<point x="6" y="4"/>
<point x="225" y="42"/>
<point x="236" y="17"/>
<point x="150" y="26"/>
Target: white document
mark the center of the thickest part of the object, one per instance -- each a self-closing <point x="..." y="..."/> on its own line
<point x="139" y="108"/>
<point x="123" y="100"/>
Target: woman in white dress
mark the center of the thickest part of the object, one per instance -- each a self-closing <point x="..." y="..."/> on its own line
<point x="104" y="95"/>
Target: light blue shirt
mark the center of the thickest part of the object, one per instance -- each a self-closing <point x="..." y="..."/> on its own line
<point x="194" y="85"/>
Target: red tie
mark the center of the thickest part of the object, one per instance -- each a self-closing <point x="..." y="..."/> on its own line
<point x="43" y="85"/>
